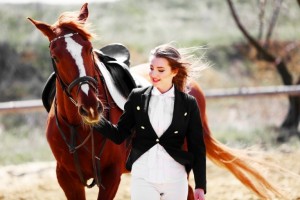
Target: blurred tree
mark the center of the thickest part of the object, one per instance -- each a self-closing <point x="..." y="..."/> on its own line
<point x="279" y="59"/>
<point x="19" y="79"/>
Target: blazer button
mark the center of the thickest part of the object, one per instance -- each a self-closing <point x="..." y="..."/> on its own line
<point x="157" y="140"/>
<point x="175" y="132"/>
<point x="138" y="108"/>
<point x="142" y="127"/>
<point x="185" y="114"/>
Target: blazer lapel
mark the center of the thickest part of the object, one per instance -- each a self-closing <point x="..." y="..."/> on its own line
<point x="145" y="105"/>
<point x="178" y="107"/>
<point x="178" y="112"/>
<point x="146" y="98"/>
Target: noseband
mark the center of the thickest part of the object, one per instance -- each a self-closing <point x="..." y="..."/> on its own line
<point x="91" y="81"/>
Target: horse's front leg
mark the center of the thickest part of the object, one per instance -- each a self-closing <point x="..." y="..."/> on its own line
<point x="111" y="178"/>
<point x="72" y="187"/>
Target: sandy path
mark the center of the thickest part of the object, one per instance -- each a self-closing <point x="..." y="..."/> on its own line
<point x="35" y="181"/>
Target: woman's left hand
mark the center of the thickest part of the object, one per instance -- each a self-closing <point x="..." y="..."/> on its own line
<point x="199" y="194"/>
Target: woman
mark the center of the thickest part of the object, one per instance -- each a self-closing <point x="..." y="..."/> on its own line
<point x="163" y="117"/>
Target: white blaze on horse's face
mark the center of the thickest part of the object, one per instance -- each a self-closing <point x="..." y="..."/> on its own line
<point x="75" y="50"/>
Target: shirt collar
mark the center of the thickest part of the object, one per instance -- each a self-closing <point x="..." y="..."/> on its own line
<point x="169" y="93"/>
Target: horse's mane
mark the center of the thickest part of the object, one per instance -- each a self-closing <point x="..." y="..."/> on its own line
<point x="70" y="20"/>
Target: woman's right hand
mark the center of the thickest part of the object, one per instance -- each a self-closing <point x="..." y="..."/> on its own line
<point x="199" y="194"/>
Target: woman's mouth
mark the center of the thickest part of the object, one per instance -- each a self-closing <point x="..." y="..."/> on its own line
<point x="154" y="80"/>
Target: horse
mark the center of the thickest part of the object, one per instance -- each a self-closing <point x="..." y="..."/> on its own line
<point x="82" y="99"/>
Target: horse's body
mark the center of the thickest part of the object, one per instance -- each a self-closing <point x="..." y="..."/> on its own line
<point x="82" y="100"/>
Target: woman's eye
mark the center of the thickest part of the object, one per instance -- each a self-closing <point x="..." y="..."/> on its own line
<point x="161" y="70"/>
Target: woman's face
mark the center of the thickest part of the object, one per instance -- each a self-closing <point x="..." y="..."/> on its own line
<point x="161" y="74"/>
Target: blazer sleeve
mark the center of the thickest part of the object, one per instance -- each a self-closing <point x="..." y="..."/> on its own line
<point x="196" y="145"/>
<point x="122" y="130"/>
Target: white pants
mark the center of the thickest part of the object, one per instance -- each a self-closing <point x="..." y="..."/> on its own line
<point x="143" y="190"/>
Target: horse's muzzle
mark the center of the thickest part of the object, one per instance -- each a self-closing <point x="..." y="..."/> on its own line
<point x="91" y="115"/>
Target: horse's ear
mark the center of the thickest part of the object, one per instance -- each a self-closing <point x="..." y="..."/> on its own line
<point x="44" y="28"/>
<point x="84" y="13"/>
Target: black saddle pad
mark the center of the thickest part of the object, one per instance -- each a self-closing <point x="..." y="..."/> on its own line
<point x="49" y="92"/>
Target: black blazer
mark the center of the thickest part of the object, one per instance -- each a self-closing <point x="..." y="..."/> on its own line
<point x="186" y="124"/>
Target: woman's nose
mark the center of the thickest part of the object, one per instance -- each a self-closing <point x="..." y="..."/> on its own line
<point x="153" y="73"/>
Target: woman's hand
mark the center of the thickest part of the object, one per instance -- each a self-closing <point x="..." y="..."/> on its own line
<point x="199" y="194"/>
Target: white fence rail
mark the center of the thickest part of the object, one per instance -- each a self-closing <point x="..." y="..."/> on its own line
<point x="37" y="105"/>
<point x="253" y="91"/>
<point x="21" y="106"/>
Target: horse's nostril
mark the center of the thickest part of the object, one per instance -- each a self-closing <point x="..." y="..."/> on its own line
<point x="83" y="111"/>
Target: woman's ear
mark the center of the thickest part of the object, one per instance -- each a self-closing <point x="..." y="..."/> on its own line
<point x="175" y="72"/>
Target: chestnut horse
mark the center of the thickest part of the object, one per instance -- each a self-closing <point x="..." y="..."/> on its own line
<point x="82" y="99"/>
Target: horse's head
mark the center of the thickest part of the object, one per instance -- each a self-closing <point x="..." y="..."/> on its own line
<point x="73" y="61"/>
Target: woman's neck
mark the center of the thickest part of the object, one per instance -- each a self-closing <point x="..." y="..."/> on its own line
<point x="165" y="89"/>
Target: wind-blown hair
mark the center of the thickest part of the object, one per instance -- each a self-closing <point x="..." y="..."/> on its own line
<point x="182" y="60"/>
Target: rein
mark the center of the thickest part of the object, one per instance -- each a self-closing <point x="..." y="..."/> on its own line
<point x="73" y="150"/>
<point x="73" y="129"/>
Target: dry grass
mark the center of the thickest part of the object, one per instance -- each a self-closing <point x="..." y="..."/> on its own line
<point x="37" y="181"/>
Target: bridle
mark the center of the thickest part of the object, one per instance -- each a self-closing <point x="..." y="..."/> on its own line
<point x="91" y="81"/>
<point x="73" y="147"/>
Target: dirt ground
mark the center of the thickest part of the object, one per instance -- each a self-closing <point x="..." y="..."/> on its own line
<point x="35" y="181"/>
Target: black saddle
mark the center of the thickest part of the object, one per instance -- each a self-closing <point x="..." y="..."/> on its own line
<point x="116" y="58"/>
<point x="117" y="51"/>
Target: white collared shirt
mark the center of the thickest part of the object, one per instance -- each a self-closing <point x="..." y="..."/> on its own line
<point x="156" y="165"/>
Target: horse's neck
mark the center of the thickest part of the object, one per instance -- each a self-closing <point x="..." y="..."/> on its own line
<point x="112" y="111"/>
<point x="104" y="93"/>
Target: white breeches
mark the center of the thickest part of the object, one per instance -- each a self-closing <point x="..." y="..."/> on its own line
<point x="143" y="190"/>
